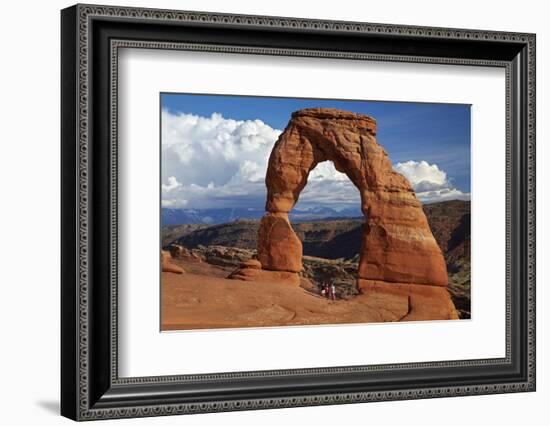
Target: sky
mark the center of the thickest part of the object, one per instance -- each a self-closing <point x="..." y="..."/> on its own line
<point x="215" y="150"/>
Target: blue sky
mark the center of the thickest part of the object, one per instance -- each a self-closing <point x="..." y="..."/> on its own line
<point x="413" y="134"/>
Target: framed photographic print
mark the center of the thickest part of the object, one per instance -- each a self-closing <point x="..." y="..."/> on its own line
<point x="263" y="212"/>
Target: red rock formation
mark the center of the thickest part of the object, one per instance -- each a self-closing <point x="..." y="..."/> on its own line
<point x="253" y="274"/>
<point x="178" y="251"/>
<point x="279" y="248"/>
<point x="252" y="264"/>
<point x="425" y="302"/>
<point x="251" y="270"/>
<point x="397" y="244"/>
<point x="167" y="266"/>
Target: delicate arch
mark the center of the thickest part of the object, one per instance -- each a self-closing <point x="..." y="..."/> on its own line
<point x="397" y="245"/>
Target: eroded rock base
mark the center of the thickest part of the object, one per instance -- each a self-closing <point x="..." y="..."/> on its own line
<point x="425" y="302"/>
<point x="168" y="266"/>
<point x="255" y="274"/>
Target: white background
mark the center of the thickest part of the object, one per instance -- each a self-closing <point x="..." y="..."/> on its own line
<point x="146" y="352"/>
<point x="29" y="229"/>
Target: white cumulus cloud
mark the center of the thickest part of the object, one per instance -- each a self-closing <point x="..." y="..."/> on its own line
<point x="429" y="182"/>
<point x="172" y="184"/>
<point x="210" y="162"/>
<point x="217" y="162"/>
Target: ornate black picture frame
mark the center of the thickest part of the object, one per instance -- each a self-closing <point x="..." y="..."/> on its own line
<point x="91" y="36"/>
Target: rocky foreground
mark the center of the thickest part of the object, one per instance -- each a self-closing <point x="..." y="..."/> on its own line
<point x="224" y="287"/>
<point x="203" y="289"/>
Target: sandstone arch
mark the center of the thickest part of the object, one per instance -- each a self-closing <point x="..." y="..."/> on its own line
<point x="397" y="246"/>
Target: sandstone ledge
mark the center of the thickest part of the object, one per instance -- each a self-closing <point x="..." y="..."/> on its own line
<point x="168" y="266"/>
<point x="362" y="120"/>
<point x="426" y="302"/>
<point x="255" y="274"/>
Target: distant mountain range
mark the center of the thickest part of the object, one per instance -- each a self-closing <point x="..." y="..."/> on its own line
<point x="225" y="215"/>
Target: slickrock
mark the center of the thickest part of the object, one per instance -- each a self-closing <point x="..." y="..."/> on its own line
<point x="263" y="275"/>
<point x="426" y="302"/>
<point x="252" y="264"/>
<point x="167" y="266"/>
